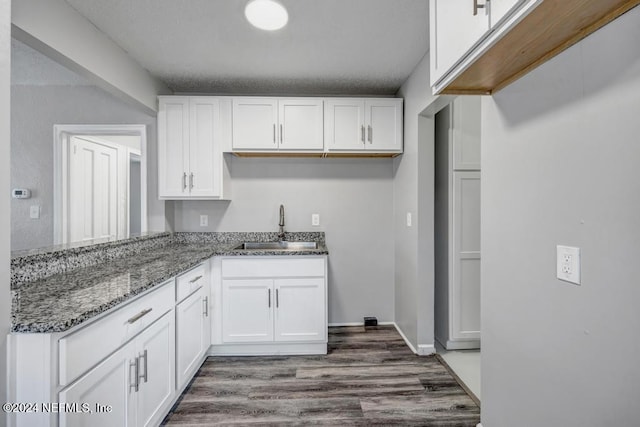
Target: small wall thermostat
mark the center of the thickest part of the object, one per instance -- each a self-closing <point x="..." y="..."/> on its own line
<point x="21" y="193"/>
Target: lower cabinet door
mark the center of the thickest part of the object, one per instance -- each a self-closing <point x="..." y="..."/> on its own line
<point x="300" y="310"/>
<point x="191" y="335"/>
<point x="105" y="391"/>
<point x="155" y="349"/>
<point x="247" y="307"/>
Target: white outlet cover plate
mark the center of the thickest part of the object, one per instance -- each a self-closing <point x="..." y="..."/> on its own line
<point x="568" y="264"/>
<point x="315" y="219"/>
<point x="204" y="220"/>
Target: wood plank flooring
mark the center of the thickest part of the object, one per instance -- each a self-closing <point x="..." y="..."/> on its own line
<point x="369" y="378"/>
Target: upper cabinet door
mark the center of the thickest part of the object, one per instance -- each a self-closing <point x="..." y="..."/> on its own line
<point x="204" y="158"/>
<point x="344" y="124"/>
<point x="255" y="124"/>
<point x="383" y="118"/>
<point x="300" y="124"/>
<point x="173" y="146"/>
<point x="454" y="30"/>
<point x="501" y="9"/>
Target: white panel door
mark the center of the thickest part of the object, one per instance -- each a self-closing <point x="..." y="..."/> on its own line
<point x="465" y="277"/>
<point x="453" y="31"/>
<point x="384" y="125"/>
<point x="106" y="384"/>
<point x="465" y="125"/>
<point x="254" y="124"/>
<point x="173" y="146"/>
<point x="247" y="307"/>
<point x="191" y="335"/>
<point x="301" y="124"/>
<point x="344" y="124"/>
<point x="155" y="348"/>
<point x="204" y="155"/>
<point x="93" y="191"/>
<point x="300" y="310"/>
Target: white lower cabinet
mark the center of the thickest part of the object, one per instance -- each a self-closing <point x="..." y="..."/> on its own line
<point x="132" y="387"/>
<point x="193" y="332"/>
<point x="270" y="305"/>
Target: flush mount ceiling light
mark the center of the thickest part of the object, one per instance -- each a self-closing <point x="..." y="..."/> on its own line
<point x="267" y="15"/>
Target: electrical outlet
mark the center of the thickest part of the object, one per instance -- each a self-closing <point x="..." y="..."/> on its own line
<point x="34" y="212"/>
<point x="315" y="219"/>
<point x="568" y="264"/>
<point x="204" y="220"/>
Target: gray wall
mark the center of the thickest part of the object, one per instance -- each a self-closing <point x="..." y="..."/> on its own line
<point x="413" y="192"/>
<point x="560" y="156"/>
<point x="354" y="199"/>
<point x="34" y="111"/>
<point x="5" y="210"/>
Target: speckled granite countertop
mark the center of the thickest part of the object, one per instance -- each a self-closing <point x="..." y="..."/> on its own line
<point x="61" y="301"/>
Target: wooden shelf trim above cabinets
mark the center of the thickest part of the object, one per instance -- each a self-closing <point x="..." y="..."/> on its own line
<point x="549" y="29"/>
<point x="317" y="155"/>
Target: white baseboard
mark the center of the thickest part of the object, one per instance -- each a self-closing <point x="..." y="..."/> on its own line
<point x="404" y="337"/>
<point x="359" y="324"/>
<point x="426" y="349"/>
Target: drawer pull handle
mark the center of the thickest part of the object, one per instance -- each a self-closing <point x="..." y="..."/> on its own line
<point x="269" y="298"/>
<point x="195" y="279"/>
<point x="136" y="369"/>
<point x="370" y="134"/>
<point x="205" y="302"/>
<point x="146" y="362"/>
<point x="277" y="298"/>
<point x="137" y="317"/>
<point x="477" y="6"/>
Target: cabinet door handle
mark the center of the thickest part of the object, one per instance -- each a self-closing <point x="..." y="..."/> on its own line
<point x="269" y="298"/>
<point x="194" y="280"/>
<point x="362" y="133"/>
<point x="205" y="302"/>
<point x="146" y="362"/>
<point x="370" y="129"/>
<point x="477" y="6"/>
<point x="274" y="133"/>
<point x="277" y="298"/>
<point x="191" y="181"/>
<point x="184" y="181"/>
<point x="138" y="316"/>
<point x="136" y="369"/>
<point x="281" y="133"/>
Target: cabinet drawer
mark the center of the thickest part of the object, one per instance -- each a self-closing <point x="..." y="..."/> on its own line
<point x="81" y="350"/>
<point x="283" y="266"/>
<point x="190" y="281"/>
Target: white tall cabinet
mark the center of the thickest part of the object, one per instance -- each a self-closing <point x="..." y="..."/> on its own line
<point x="457" y="214"/>
<point x="190" y="146"/>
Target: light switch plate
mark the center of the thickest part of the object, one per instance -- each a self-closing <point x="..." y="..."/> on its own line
<point x="568" y="264"/>
<point x="34" y="212"/>
<point x="408" y="219"/>
<point x="315" y="219"/>
<point x="204" y="220"/>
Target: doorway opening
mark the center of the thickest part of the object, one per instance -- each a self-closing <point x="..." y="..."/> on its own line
<point x="99" y="182"/>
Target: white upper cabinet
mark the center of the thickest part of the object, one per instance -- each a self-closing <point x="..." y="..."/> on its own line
<point x="300" y="124"/>
<point x="455" y="27"/>
<point x="501" y="8"/>
<point x="267" y="124"/>
<point x="254" y="124"/>
<point x="190" y="160"/>
<point x="363" y="125"/>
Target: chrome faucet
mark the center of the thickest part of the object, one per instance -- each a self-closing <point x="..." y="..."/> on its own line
<point x="281" y="235"/>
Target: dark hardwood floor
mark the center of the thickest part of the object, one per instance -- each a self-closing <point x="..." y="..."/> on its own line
<point x="369" y="378"/>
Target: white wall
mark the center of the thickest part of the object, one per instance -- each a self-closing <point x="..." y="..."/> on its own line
<point x="354" y="199"/>
<point x="5" y="92"/>
<point x="560" y="156"/>
<point x="56" y="29"/>
<point x="35" y="109"/>
<point x="413" y="192"/>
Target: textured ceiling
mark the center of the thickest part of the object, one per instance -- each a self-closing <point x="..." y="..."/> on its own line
<point x="30" y="67"/>
<point x="328" y="47"/>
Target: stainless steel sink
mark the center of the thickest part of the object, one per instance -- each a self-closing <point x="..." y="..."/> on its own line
<point x="282" y="246"/>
